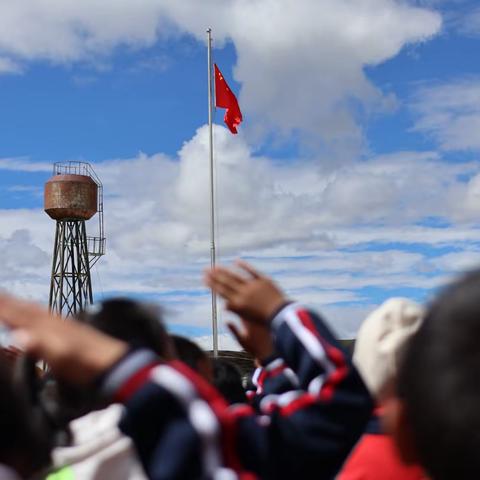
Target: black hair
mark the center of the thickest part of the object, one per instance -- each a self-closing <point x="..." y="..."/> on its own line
<point x="138" y="324"/>
<point x="25" y="440"/>
<point x="188" y="352"/>
<point x="439" y="383"/>
<point x="228" y="381"/>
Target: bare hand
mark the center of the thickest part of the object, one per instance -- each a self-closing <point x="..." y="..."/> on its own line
<point x="254" y="297"/>
<point x="255" y="338"/>
<point x="74" y="352"/>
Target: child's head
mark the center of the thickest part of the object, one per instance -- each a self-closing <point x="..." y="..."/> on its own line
<point x="381" y="342"/>
<point x="439" y="386"/>
<point x="193" y="356"/>
<point x="136" y="323"/>
<point x="228" y="381"/>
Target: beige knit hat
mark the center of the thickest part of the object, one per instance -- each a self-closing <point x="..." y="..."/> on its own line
<point x="381" y="339"/>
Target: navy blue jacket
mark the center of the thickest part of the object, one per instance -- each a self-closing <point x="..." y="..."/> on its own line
<point x="183" y="429"/>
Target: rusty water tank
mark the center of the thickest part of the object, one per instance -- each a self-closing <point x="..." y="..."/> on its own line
<point x="71" y="197"/>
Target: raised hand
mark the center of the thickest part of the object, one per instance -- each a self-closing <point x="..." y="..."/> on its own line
<point x="251" y="295"/>
<point x="255" y="338"/>
<point x="73" y="351"/>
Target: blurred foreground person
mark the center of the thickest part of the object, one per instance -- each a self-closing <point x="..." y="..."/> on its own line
<point x="379" y="349"/>
<point x="25" y="442"/>
<point x="436" y="421"/>
<point x="97" y="448"/>
<point x="180" y="425"/>
<point x="305" y="431"/>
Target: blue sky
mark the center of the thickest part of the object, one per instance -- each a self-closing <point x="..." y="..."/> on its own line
<point x="355" y="176"/>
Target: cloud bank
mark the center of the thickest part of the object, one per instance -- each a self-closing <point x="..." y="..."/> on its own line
<point x="300" y="63"/>
<point x="391" y="224"/>
<point x="450" y="113"/>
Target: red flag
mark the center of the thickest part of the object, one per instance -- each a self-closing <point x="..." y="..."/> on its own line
<point x="224" y="98"/>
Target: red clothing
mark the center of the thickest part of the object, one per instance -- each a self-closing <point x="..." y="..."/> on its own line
<point x="375" y="458"/>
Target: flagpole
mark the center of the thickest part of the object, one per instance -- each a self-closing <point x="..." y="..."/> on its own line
<point x="212" y="193"/>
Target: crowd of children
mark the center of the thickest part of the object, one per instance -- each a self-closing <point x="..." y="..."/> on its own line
<point x="123" y="399"/>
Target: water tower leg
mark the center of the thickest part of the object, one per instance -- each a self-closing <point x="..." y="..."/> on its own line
<point x="70" y="286"/>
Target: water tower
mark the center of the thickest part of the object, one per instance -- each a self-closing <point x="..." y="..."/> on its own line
<point x="72" y="196"/>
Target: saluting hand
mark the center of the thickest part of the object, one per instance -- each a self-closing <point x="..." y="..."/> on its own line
<point x="251" y="295"/>
<point x="74" y="352"/>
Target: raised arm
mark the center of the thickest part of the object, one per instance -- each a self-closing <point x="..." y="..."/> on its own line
<point x="311" y="428"/>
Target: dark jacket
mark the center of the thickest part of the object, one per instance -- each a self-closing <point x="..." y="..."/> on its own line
<point x="183" y="429"/>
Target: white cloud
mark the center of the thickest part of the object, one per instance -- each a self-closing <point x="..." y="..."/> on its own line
<point x="450" y="113"/>
<point x="22" y="164"/>
<point x="469" y="23"/>
<point x="300" y="63"/>
<point x="344" y="321"/>
<point x="65" y="30"/>
<point x="157" y="204"/>
<point x="24" y="264"/>
<point x="157" y="209"/>
<point x="225" y="342"/>
<point x="9" y="66"/>
<point x="459" y="261"/>
<point x="35" y="191"/>
<point x="317" y="233"/>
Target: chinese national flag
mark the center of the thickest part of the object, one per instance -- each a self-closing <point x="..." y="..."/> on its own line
<point x="224" y="98"/>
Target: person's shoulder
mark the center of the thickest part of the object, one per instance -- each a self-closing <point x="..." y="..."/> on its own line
<point x="375" y="458"/>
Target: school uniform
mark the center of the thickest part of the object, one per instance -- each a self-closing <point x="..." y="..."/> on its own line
<point x="183" y="429"/>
